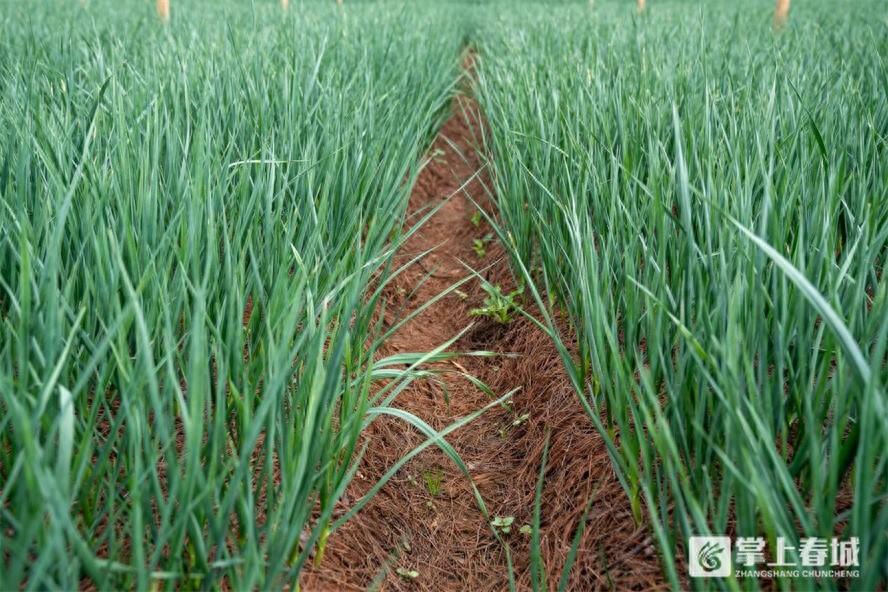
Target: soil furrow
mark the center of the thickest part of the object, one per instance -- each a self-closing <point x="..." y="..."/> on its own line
<point x="425" y="521"/>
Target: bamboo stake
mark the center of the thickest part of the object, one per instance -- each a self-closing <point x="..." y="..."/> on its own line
<point x="163" y="10"/>
<point x="781" y="13"/>
<point x="641" y="5"/>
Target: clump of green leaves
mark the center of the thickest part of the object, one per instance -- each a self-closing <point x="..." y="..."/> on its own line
<point x="479" y="245"/>
<point x="497" y="305"/>
<point x="503" y="523"/>
<point x="479" y="248"/>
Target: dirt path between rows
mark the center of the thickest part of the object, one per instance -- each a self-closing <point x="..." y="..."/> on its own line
<point x="425" y="521"/>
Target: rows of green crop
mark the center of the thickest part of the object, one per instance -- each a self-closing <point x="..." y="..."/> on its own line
<point x="706" y="203"/>
<point x="189" y="220"/>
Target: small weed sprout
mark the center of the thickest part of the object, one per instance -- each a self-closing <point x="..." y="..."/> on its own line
<point x="479" y="248"/>
<point x="497" y="305"/>
<point x="503" y="523"/>
<point x="479" y="245"/>
<point x="520" y="419"/>
<point x="407" y="574"/>
<point x="433" y="480"/>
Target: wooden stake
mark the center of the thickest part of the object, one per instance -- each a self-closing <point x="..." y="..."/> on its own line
<point x="641" y="6"/>
<point x="781" y="13"/>
<point x="285" y="4"/>
<point x="163" y="10"/>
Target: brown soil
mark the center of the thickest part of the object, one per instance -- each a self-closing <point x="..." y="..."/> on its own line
<point x="443" y="535"/>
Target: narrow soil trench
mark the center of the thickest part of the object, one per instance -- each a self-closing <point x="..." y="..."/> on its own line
<point x="425" y="523"/>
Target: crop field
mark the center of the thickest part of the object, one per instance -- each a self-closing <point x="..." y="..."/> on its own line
<point x="375" y="295"/>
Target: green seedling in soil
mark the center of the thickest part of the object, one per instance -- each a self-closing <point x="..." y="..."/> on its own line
<point x="520" y="419"/>
<point x="433" y="480"/>
<point x="479" y="245"/>
<point x="526" y="529"/>
<point x="407" y="574"/>
<point x="479" y="248"/>
<point x="497" y="305"/>
<point x="476" y="219"/>
<point x="503" y="523"/>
